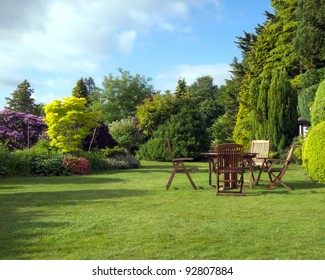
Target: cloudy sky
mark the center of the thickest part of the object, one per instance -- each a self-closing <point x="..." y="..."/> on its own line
<point x="54" y="43"/>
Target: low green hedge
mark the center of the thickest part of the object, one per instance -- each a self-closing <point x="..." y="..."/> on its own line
<point x="40" y="160"/>
<point x="313" y="152"/>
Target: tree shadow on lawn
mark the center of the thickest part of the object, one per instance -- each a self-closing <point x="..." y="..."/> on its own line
<point x="64" y="197"/>
<point x="20" y="182"/>
<point x="21" y="225"/>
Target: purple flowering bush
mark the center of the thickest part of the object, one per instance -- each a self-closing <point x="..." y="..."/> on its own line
<point x="20" y="130"/>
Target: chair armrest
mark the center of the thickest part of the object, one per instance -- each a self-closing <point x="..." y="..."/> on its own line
<point x="274" y="160"/>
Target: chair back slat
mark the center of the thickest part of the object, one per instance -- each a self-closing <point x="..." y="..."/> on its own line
<point x="229" y="155"/>
<point x="290" y="154"/>
<point x="261" y="147"/>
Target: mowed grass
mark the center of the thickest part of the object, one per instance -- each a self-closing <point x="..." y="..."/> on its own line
<point x="128" y="214"/>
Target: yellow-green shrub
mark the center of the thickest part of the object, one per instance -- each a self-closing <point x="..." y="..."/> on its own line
<point x="313" y="152"/>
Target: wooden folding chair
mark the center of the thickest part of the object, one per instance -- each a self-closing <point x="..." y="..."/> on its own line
<point x="276" y="173"/>
<point x="261" y="148"/>
<point x="229" y="169"/>
<point x="178" y="166"/>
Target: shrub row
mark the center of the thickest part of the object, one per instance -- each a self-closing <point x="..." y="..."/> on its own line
<point x="42" y="161"/>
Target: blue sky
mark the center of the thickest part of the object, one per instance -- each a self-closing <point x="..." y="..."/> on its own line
<point x="54" y="43"/>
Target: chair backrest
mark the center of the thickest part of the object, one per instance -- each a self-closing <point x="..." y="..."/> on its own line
<point x="261" y="147"/>
<point x="170" y="149"/>
<point x="290" y="154"/>
<point x="229" y="155"/>
<point x="288" y="160"/>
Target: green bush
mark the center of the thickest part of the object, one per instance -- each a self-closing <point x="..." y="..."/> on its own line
<point x="318" y="109"/>
<point x="313" y="152"/>
<point x="38" y="162"/>
<point x="97" y="161"/>
<point x="187" y="132"/>
<point x="124" y="162"/>
<point x="8" y="163"/>
<point x="154" y="149"/>
<point x="124" y="133"/>
<point x="113" y="152"/>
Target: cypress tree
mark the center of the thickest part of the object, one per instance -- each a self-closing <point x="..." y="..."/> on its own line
<point x="282" y="104"/>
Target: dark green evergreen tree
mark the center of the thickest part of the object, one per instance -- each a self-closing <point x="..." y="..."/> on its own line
<point x="22" y="100"/>
<point x="208" y="98"/>
<point x="309" y="43"/>
<point x="181" y="88"/>
<point x="282" y="110"/>
<point x="80" y="90"/>
<point x="90" y="85"/>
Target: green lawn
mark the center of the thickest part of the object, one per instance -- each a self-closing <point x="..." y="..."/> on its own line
<point x="128" y="214"/>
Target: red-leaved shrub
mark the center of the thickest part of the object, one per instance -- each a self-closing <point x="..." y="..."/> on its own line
<point x="76" y="165"/>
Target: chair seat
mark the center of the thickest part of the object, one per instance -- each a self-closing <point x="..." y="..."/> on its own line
<point x="275" y="169"/>
<point x="182" y="159"/>
<point x="230" y="170"/>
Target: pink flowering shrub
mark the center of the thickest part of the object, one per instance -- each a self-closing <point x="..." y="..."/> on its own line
<point x="76" y="165"/>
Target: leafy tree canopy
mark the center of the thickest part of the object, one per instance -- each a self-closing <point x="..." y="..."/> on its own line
<point x="121" y="95"/>
<point x="69" y="123"/>
<point x="154" y="111"/>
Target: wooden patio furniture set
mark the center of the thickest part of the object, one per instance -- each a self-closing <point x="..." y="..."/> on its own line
<point x="229" y="161"/>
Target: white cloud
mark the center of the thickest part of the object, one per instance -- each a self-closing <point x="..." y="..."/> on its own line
<point x="52" y="35"/>
<point x="47" y="39"/>
<point x="168" y="80"/>
<point x="126" y="41"/>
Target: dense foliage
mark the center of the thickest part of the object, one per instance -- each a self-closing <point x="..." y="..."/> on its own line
<point x="310" y="41"/>
<point x="154" y="111"/>
<point x="125" y="133"/>
<point x="69" y="123"/>
<point x="318" y="108"/>
<point x="309" y="83"/>
<point x="313" y="152"/>
<point x="20" y="130"/>
<point x="186" y="131"/>
<point x="120" y="96"/>
<point x="42" y="160"/>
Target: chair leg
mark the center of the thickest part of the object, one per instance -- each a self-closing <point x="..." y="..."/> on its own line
<point x="278" y="181"/>
<point x="188" y="175"/>
<point x="259" y="175"/>
<point x="172" y="176"/>
<point x="217" y="184"/>
<point x="210" y="173"/>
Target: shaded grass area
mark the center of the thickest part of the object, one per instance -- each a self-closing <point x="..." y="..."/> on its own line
<point x="128" y="214"/>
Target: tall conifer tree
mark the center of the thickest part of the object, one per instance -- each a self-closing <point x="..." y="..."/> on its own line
<point x="22" y="100"/>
